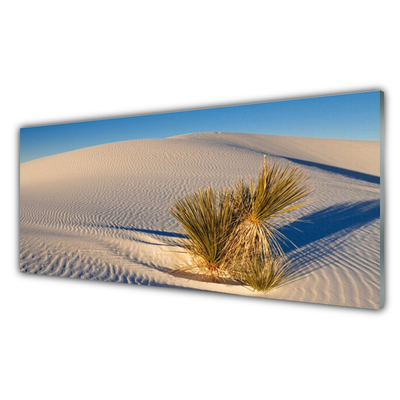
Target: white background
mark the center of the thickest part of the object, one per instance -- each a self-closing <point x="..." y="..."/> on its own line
<point x="76" y="60"/>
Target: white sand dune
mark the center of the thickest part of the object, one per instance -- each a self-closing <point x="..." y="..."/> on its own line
<point x="102" y="212"/>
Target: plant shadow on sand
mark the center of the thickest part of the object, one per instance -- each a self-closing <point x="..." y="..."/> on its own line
<point x="148" y="231"/>
<point x="326" y="228"/>
<point x="178" y="251"/>
<point x="169" y="239"/>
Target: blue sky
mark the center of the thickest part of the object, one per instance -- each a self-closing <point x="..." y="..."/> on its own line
<point x="350" y="116"/>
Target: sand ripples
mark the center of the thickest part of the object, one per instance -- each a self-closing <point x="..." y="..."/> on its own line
<point x="101" y="213"/>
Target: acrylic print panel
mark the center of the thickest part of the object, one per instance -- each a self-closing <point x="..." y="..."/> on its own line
<point x="272" y="200"/>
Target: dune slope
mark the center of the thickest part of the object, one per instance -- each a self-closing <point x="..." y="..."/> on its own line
<point x="101" y="212"/>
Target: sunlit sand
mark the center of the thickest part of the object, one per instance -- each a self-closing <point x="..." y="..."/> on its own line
<point x="102" y="212"/>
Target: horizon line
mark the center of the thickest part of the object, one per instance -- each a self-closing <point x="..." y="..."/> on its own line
<point x="200" y="132"/>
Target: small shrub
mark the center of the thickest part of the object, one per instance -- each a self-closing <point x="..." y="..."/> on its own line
<point x="277" y="191"/>
<point x="264" y="273"/>
<point x="208" y="219"/>
<point x="231" y="234"/>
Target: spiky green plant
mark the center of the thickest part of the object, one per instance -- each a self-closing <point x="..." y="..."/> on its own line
<point x="208" y="219"/>
<point x="231" y="233"/>
<point x="277" y="191"/>
<point x="264" y="273"/>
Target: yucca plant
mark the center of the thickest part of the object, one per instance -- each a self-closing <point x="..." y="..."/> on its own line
<point x="277" y="191"/>
<point x="231" y="233"/>
<point x="208" y="219"/>
<point x="264" y="273"/>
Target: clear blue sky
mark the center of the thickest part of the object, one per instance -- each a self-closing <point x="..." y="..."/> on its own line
<point x="351" y="116"/>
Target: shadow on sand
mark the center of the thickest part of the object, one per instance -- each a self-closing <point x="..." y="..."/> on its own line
<point x="336" y="170"/>
<point x="324" y="167"/>
<point x="320" y="224"/>
<point x="328" y="227"/>
<point x="148" y="231"/>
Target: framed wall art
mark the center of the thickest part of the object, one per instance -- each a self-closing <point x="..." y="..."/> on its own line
<point x="280" y="199"/>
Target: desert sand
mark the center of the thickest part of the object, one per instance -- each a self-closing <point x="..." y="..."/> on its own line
<point x="102" y="212"/>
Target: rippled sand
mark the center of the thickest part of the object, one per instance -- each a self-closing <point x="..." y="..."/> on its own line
<point x="101" y="212"/>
